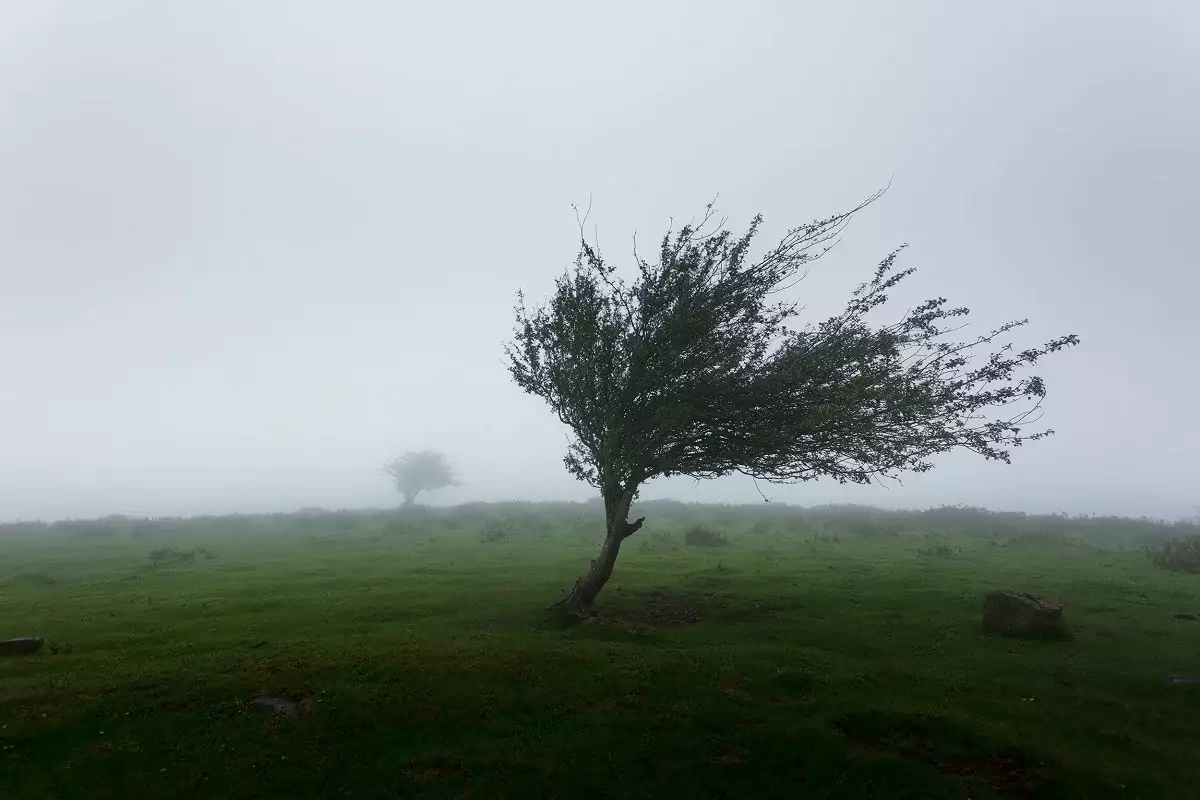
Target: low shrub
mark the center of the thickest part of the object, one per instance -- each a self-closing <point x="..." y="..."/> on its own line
<point x="493" y="532"/>
<point x="939" y="551"/>
<point x="164" y="556"/>
<point x="700" y="536"/>
<point x="1177" y="555"/>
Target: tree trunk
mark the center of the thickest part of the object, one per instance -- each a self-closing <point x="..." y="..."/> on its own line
<point x="580" y="600"/>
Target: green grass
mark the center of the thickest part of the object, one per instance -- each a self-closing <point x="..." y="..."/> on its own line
<point x="822" y="658"/>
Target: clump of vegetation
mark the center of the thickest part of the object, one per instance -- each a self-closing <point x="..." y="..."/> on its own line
<point x="205" y="553"/>
<point x="494" y="532"/>
<point x="1177" y="555"/>
<point x="701" y="536"/>
<point x="939" y="551"/>
<point x="165" y="556"/>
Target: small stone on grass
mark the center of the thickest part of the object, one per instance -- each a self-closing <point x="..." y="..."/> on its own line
<point x="277" y="705"/>
<point x="21" y="646"/>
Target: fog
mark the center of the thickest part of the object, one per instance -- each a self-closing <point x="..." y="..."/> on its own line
<point x="251" y="251"/>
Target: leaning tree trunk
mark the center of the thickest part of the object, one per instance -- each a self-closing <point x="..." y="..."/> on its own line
<point x="580" y="600"/>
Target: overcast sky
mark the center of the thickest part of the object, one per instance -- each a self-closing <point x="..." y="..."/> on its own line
<point x="249" y="251"/>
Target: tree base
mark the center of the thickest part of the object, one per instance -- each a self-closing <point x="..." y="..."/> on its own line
<point x="578" y="605"/>
<point x="564" y="615"/>
<point x="570" y="611"/>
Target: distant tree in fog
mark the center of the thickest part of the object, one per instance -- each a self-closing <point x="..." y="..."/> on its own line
<point x="420" y="471"/>
<point x="694" y="368"/>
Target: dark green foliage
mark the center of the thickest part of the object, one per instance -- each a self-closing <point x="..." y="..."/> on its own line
<point x="1178" y="555"/>
<point x="702" y="536"/>
<point x="694" y="368"/>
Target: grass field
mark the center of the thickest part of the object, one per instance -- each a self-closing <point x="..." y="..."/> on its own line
<point x="821" y="653"/>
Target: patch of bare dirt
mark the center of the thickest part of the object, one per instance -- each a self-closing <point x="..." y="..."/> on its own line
<point x="937" y="743"/>
<point x="661" y="608"/>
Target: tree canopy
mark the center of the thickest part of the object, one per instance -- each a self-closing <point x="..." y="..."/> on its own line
<point x="420" y="470"/>
<point x="696" y="367"/>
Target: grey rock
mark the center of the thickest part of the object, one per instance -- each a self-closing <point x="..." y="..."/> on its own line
<point x="21" y="646"/>
<point x="277" y="705"/>
<point x="1023" y="615"/>
<point x="1182" y="679"/>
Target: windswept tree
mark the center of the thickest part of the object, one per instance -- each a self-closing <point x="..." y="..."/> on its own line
<point x="694" y="367"/>
<point x="420" y="471"/>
